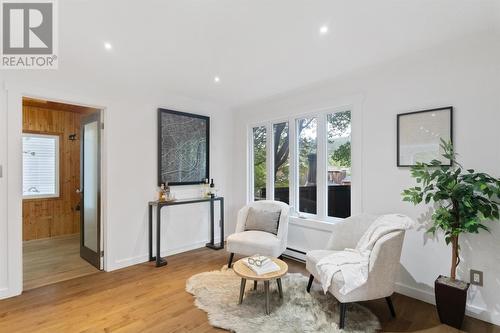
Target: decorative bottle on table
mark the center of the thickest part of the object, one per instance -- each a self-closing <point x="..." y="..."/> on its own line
<point x="169" y="196"/>
<point x="161" y="193"/>
<point x="205" y="188"/>
<point x="212" y="191"/>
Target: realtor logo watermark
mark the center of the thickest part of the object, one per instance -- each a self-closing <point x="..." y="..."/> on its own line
<point x="29" y="34"/>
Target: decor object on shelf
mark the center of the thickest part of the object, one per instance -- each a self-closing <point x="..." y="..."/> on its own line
<point x="418" y="135"/>
<point x="205" y="188"/>
<point x="242" y="269"/>
<point x="465" y="200"/>
<point x="161" y="193"/>
<point x="216" y="293"/>
<point x="183" y="147"/>
<point x="383" y="262"/>
<point x="249" y="242"/>
<point x="164" y="193"/>
<point x="212" y="190"/>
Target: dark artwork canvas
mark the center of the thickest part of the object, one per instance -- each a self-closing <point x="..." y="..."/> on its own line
<point x="183" y="141"/>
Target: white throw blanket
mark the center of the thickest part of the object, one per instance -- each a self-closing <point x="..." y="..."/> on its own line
<point x="354" y="263"/>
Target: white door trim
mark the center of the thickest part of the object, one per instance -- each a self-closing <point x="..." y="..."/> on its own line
<point x="12" y="171"/>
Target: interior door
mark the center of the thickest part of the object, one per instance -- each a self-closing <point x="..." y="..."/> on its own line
<point x="90" y="189"/>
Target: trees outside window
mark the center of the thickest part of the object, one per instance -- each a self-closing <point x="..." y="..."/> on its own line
<point x="336" y="153"/>
<point x="339" y="163"/>
<point x="307" y="134"/>
<point x="259" y="162"/>
<point x="281" y="152"/>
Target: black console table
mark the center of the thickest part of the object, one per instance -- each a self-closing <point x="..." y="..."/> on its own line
<point x="160" y="204"/>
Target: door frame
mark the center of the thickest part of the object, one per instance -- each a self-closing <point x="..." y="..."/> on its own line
<point x="12" y="259"/>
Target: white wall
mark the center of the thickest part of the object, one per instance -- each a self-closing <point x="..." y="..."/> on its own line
<point x="130" y="174"/>
<point x="3" y="194"/>
<point x="464" y="74"/>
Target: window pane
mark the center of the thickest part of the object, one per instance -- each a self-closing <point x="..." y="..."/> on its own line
<point x="40" y="154"/>
<point x="339" y="164"/>
<point x="307" y="148"/>
<point x="259" y="163"/>
<point x="281" y="162"/>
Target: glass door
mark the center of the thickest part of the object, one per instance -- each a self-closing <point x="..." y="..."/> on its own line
<point x="90" y="190"/>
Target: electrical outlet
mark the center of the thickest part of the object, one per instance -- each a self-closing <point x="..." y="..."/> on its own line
<point x="476" y="277"/>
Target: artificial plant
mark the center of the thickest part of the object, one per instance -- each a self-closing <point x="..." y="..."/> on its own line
<point x="464" y="200"/>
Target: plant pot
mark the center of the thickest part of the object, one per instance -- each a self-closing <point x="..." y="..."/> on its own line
<point x="451" y="297"/>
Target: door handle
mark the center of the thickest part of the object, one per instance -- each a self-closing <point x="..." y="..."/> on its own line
<point x="79" y="191"/>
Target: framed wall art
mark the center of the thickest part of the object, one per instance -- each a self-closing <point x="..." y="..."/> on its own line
<point x="419" y="135"/>
<point x="183" y="147"/>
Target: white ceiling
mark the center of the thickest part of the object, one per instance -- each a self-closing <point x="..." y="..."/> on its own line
<point x="258" y="48"/>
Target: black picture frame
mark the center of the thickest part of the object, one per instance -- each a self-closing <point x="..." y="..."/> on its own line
<point x="401" y="115"/>
<point x="161" y="179"/>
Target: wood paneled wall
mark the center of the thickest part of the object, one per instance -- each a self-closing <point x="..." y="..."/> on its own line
<point x="43" y="218"/>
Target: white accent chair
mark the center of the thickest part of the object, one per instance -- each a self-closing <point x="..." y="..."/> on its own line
<point x="252" y="242"/>
<point x="383" y="267"/>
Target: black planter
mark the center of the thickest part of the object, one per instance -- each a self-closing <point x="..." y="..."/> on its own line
<point x="451" y="297"/>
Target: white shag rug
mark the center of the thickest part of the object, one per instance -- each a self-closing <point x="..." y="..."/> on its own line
<point x="217" y="293"/>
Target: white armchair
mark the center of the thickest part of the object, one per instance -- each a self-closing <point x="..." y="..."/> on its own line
<point x="383" y="264"/>
<point x="259" y="242"/>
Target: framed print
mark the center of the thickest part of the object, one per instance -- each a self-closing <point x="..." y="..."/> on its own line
<point x="183" y="147"/>
<point x="419" y="136"/>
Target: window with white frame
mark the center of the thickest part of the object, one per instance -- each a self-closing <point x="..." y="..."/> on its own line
<point x="259" y="136"/>
<point x="308" y="164"/>
<point x="307" y="144"/>
<point x="281" y="159"/>
<point x="40" y="166"/>
<point x="339" y="163"/>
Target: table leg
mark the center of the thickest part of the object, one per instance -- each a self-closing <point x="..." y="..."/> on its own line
<point x="150" y="229"/>
<point x="255" y="285"/>
<point x="159" y="261"/>
<point x="222" y="222"/>
<point x="211" y="244"/>
<point x="242" y="290"/>
<point x="280" y="289"/>
<point x="266" y="288"/>
<point x="212" y="222"/>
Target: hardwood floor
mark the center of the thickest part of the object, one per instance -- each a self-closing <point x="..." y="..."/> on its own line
<point x="144" y="298"/>
<point x="51" y="260"/>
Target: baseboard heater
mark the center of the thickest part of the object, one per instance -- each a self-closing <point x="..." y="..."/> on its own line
<point x="292" y="257"/>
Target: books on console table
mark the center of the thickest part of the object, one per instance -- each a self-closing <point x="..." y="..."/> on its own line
<point x="268" y="266"/>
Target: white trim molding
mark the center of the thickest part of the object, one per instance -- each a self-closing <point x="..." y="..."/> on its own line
<point x="11" y="260"/>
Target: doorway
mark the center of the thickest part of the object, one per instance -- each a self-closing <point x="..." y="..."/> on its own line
<point x="61" y="192"/>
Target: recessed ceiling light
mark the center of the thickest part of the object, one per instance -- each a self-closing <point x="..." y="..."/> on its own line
<point x="323" y="30"/>
<point x="216" y="79"/>
<point x="108" y="46"/>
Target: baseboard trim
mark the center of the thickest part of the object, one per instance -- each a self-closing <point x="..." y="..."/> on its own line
<point x="428" y="297"/>
<point x="126" y="262"/>
<point x="7" y="292"/>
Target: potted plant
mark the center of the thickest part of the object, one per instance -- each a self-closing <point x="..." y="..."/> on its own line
<point x="464" y="201"/>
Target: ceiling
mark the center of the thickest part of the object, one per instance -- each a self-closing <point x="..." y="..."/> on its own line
<point x="258" y="48"/>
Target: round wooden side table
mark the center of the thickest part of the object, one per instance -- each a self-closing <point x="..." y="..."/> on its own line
<point x="246" y="273"/>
